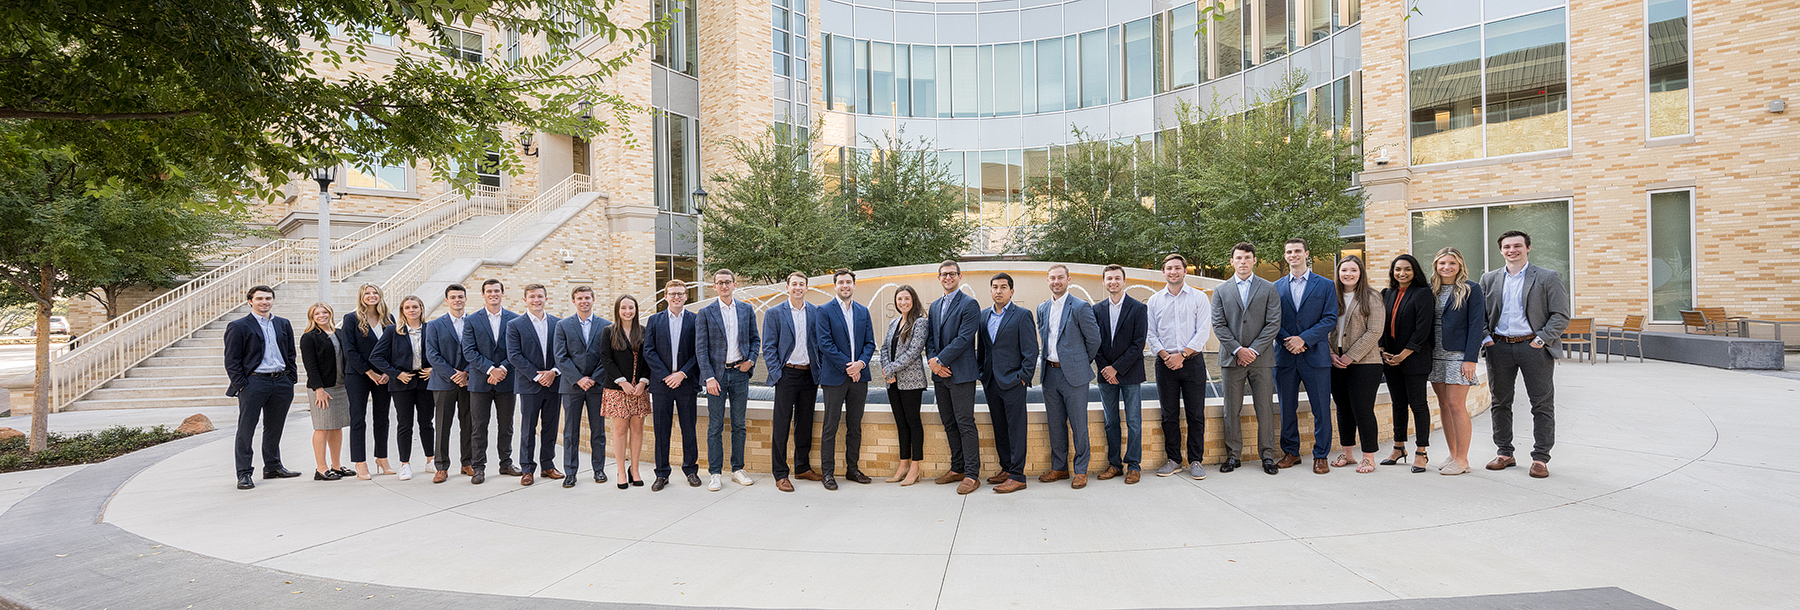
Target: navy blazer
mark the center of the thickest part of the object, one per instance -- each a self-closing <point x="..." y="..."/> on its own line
<point x="1009" y="358"/>
<point x="657" y="348"/>
<point x="577" y="357"/>
<point x="832" y="334"/>
<point x="444" y="352"/>
<point x="1465" y="328"/>
<point x="1410" y="322"/>
<point x="527" y="355"/>
<point x="393" y="355"/>
<point x="1124" y="352"/>
<point x="1078" y="343"/>
<point x="709" y="339"/>
<point x="244" y="349"/>
<point x="482" y="351"/>
<point x="358" y="347"/>
<point x="955" y="320"/>
<point x="1312" y="321"/>
<point x="778" y="340"/>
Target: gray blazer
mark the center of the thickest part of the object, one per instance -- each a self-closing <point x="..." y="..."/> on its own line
<point x="1240" y="324"/>
<point x="1546" y="303"/>
<point x="578" y="357"/>
<point x="1076" y="345"/>
<point x="905" y="362"/>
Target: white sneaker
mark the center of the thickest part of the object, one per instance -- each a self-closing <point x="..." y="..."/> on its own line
<point x="714" y="484"/>
<point x="405" y="472"/>
<point x="742" y="478"/>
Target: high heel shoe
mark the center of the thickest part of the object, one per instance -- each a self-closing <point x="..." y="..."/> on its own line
<point x="626" y="483"/>
<point x="635" y="481"/>
<point x="1417" y="468"/>
<point x="1395" y="457"/>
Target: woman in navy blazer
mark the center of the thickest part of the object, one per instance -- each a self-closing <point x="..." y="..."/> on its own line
<point x="1461" y="326"/>
<point x="362" y="381"/>
<point x="400" y="354"/>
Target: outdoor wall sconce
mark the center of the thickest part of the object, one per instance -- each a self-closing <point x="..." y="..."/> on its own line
<point x="525" y="141"/>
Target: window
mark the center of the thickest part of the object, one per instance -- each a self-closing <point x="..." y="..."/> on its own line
<point x="458" y="44"/>
<point x="1669" y="57"/>
<point x="488" y="173"/>
<point x="1185" y="47"/>
<point x="841" y="92"/>
<point x="1319" y="18"/>
<point x="962" y="81"/>
<point x="1140" y="60"/>
<point x="1671" y="254"/>
<point x="378" y="177"/>
<point x="984" y="81"/>
<point x="881" y="79"/>
<point x="902" y="81"/>
<point x="1445" y="86"/>
<point x="925" y="82"/>
<point x="1473" y="231"/>
<point x="1527" y="84"/>
<point x="1006" y="80"/>
<point x="1093" y="68"/>
<point x="678" y="49"/>
<point x="676" y="140"/>
<point x="1278" y="28"/>
<point x="1050" y="75"/>
<point x="1028" y="78"/>
<point x="512" y="44"/>
<point x="375" y="38"/>
<point x="1228" y="38"/>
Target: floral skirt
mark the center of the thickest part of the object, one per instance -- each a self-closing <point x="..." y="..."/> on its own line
<point x="616" y="403"/>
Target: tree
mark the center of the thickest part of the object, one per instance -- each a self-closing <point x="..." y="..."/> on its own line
<point x="776" y="216"/>
<point x="164" y="241"/>
<point x="904" y="205"/>
<point x="1090" y="207"/>
<point x="230" y="95"/>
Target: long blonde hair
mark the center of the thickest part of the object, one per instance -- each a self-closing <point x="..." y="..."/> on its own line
<point x="364" y="311"/>
<point x="312" y="325"/>
<point x="1459" y="291"/>
<point x="400" y="326"/>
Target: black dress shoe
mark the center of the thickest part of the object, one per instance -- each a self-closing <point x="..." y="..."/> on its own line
<point x="693" y="480"/>
<point x="660" y="483"/>
<point x="568" y="481"/>
<point x="1270" y="467"/>
<point x="858" y="476"/>
<point x="326" y="475"/>
<point x="1231" y="463"/>
<point x="510" y="471"/>
<point x="599" y="477"/>
<point x="479" y="477"/>
<point x="279" y="472"/>
<point x="344" y="472"/>
<point x="830" y="482"/>
<point x="244" y="482"/>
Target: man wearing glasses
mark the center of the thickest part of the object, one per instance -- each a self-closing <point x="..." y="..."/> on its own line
<point x="950" y="350"/>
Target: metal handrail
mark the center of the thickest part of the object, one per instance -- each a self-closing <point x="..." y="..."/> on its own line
<point x="449" y="247"/>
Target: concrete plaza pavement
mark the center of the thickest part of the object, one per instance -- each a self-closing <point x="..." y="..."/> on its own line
<point x="1671" y="485"/>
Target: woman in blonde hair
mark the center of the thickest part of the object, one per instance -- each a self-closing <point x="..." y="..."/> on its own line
<point x="1461" y="326"/>
<point x="400" y="355"/>
<point x="324" y="362"/>
<point x="363" y="382"/>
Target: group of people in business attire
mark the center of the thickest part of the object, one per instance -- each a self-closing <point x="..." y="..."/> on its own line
<point x="1338" y="339"/>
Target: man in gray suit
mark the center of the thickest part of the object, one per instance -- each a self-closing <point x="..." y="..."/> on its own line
<point x="576" y="345"/>
<point x="1528" y="309"/>
<point x="1071" y="337"/>
<point x="1246" y="315"/>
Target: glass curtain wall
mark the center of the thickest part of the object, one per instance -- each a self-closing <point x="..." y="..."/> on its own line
<point x="1670" y="112"/>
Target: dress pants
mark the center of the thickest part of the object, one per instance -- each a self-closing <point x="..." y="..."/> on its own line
<point x="1318" y="395"/>
<point x="497" y="405"/>
<point x="1174" y="387"/>
<point x="1065" y="407"/>
<point x="734" y="391"/>
<point x="573" y="404"/>
<point x="1131" y="452"/>
<point x="411" y="406"/>
<point x="665" y="407"/>
<point x="1261" y="382"/>
<point x="266" y="398"/>
<point x="1006" y="411"/>
<point x="956" y="409"/>
<point x="540" y="416"/>
<point x="794" y="395"/>
<point x="905" y="404"/>
<point x="1506" y="361"/>
<point x="1407" y="393"/>
<point x="850" y="397"/>
<point x="447" y="403"/>
<point x="361" y="390"/>
<point x="1354" y="388"/>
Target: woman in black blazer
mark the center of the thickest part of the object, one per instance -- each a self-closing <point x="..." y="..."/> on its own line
<point x="362" y="381"/>
<point x="1461" y="326"/>
<point x="1405" y="350"/>
<point x="400" y="355"/>
<point x="626" y="397"/>
<point x="323" y="360"/>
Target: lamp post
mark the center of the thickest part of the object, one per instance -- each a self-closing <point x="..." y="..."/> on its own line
<point x="325" y="176"/>
<point x="700" y="235"/>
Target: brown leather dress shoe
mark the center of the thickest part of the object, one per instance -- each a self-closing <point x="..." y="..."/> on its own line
<point x="810" y="475"/>
<point x="1053" y="476"/>
<point x="468" y="471"/>
<point x="1502" y="462"/>
<point x="998" y="478"/>
<point x="950" y="477"/>
<point x="1132" y="476"/>
<point x="784" y="485"/>
<point x="552" y="474"/>
<point x="441" y="476"/>
<point x="527" y="480"/>
<point x="968" y="486"/>
<point x="1011" y="485"/>
<point x="1111" y="471"/>
<point x="1539" y="470"/>
<point x="1320" y="466"/>
<point x="1078" y="481"/>
<point x="1288" y="460"/>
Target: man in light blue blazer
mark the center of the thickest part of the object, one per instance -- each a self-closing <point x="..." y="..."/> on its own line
<point x="669" y="354"/>
<point x="955" y="321"/>
<point x="444" y="351"/>
<point x="1007" y="346"/>
<point x="1071" y="338"/>
<point x="791" y="357"/>
<point x="582" y="373"/>
<point x="1309" y="305"/>
<point x="846" y="339"/>
<point x="726" y="343"/>
<point x="490" y="391"/>
<point x="529" y="350"/>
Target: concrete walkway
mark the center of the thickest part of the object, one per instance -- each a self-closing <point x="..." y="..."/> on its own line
<point x="1671" y="486"/>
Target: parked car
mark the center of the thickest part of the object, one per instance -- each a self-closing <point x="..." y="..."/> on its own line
<point x="59" y="325"/>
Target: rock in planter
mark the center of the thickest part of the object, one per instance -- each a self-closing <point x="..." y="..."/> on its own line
<point x="195" y="424"/>
<point x="9" y="434"/>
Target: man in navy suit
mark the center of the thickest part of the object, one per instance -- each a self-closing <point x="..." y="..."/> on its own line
<point x="846" y="339"/>
<point x="490" y="394"/>
<point x="1123" y="326"/>
<point x="259" y="359"/>
<point x="669" y="352"/>
<point x="1008" y="350"/>
<point x="450" y="392"/>
<point x="1308" y="315"/>
<point x="727" y="344"/>
<point x="528" y="350"/>
<point x="1071" y="337"/>
<point x="791" y="356"/>
<point x="582" y="371"/>
<point x="950" y="353"/>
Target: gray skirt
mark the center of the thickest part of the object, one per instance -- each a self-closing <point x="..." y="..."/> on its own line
<point x="335" y="418"/>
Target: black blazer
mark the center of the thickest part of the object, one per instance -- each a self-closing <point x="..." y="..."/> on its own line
<point x="393" y="355"/>
<point x="1411" y="326"/>
<point x="358" y="347"/>
<point x="627" y="363"/>
<point x="1125" y="353"/>
<point x="320" y="358"/>
<point x="244" y="349"/>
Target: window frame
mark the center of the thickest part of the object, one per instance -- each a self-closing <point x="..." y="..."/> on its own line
<point x="1648" y="126"/>
<point x="1650" y="250"/>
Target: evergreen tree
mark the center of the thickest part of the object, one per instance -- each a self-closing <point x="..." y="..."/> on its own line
<point x="776" y="216"/>
<point x="1089" y="207"/>
<point x="905" y="206"/>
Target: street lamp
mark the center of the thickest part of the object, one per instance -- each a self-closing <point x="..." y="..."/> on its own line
<point x="325" y="175"/>
<point x="700" y="235"/>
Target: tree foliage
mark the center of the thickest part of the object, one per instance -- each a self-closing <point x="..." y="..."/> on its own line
<point x="1090" y="207"/>
<point x="904" y="205"/>
<point x="776" y="216"/>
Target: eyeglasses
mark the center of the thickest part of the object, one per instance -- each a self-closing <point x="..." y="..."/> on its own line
<point x="949" y="273"/>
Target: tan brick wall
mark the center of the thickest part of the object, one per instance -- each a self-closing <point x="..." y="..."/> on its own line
<point x="735" y="76"/>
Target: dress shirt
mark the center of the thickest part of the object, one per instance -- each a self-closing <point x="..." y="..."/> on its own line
<point x="416" y="336"/>
<point x="1113" y="320"/>
<point x="728" y="312"/>
<point x="1056" y="313"/>
<point x="456" y="321"/>
<point x="849" y="324"/>
<point x="1243" y="286"/>
<point x="585" y="324"/>
<point x="272" y="360"/>
<point x="541" y="324"/>
<point x="1297" y="287"/>
<point x="1512" y="304"/>
<point x="1179" y="321"/>
<point x="675" y="335"/>
<point x="493" y="318"/>
<point x="993" y="323"/>
<point x="798" y="357"/>
<point x="376" y="328"/>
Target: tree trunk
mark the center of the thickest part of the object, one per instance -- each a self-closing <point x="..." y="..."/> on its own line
<point x="40" y="401"/>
